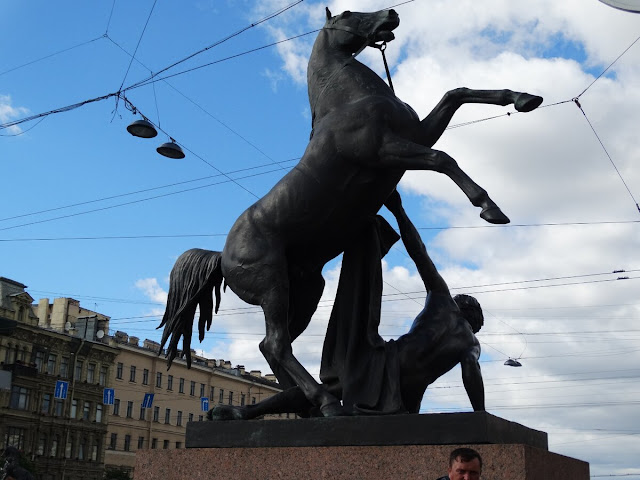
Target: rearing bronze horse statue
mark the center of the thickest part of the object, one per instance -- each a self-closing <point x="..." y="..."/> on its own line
<point x="363" y="140"/>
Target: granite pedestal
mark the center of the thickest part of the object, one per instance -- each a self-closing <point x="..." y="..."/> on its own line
<point x="403" y="446"/>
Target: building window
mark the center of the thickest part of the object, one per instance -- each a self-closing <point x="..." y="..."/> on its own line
<point x="116" y="406"/>
<point x="156" y="414"/>
<point x="82" y="449"/>
<point x="143" y="412"/>
<point x="68" y="449"/>
<point x="242" y="400"/>
<point x="119" y="369"/>
<point x="132" y="374"/>
<point x="127" y="443"/>
<point x="178" y="444"/>
<point x="58" y="407"/>
<point x="113" y="441"/>
<point x="202" y="390"/>
<point x="253" y="400"/>
<point x="98" y="413"/>
<point x="165" y="444"/>
<point x="140" y="443"/>
<point x="78" y="374"/>
<point x="129" y="409"/>
<point x="167" y="416"/>
<point x="191" y="417"/>
<point x="64" y="367"/>
<point x="91" y="373"/>
<point x="145" y="376"/>
<point x="170" y="382"/>
<point x="14" y="438"/>
<point x="211" y="393"/>
<point x="159" y="379"/>
<point x="86" y="410"/>
<point x="51" y="364"/>
<point x="74" y="408"/>
<point x="154" y="443"/>
<point x="39" y="360"/>
<point x="102" y="379"/>
<point x="230" y="398"/>
<point x="179" y="419"/>
<point x="181" y="387"/>
<point x="53" y="448"/>
<point x="19" y="398"/>
<point x="46" y="403"/>
<point x="42" y="444"/>
<point x="94" y="450"/>
<point x="192" y="389"/>
<point x="200" y="418"/>
<point x="221" y="395"/>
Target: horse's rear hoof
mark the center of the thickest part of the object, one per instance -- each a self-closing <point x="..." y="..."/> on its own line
<point x="494" y="215"/>
<point x="333" y="409"/>
<point x="526" y="102"/>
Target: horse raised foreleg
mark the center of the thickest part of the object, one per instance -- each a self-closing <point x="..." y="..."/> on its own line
<point x="434" y="125"/>
<point x="398" y="153"/>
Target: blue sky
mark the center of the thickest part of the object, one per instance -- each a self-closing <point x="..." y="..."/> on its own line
<point x="248" y="117"/>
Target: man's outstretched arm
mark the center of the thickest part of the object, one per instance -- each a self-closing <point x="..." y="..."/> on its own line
<point x="432" y="280"/>
<point x="472" y="377"/>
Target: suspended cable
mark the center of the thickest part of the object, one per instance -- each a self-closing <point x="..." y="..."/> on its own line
<point x="513" y="225"/>
<point x="215" y="44"/>
<point x="198" y="106"/>
<point x="577" y="102"/>
<point x="106" y="30"/>
<point x="138" y="44"/>
<point x="132" y="202"/>
<point x="253" y="50"/>
<point x="51" y="55"/>
<point x="610" y="65"/>
<point x="111" y="197"/>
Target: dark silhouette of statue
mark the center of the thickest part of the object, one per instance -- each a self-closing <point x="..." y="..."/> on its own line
<point x="372" y="376"/>
<point x="11" y="469"/>
<point x="363" y="140"/>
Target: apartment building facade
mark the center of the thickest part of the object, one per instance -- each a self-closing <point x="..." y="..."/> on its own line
<point x="51" y="384"/>
<point x="180" y="395"/>
<point x="99" y="421"/>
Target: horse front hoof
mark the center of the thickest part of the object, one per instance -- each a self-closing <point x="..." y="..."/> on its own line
<point x="333" y="409"/>
<point x="494" y="215"/>
<point x="526" y="102"/>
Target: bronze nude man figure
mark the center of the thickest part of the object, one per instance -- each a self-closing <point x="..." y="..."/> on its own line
<point x="364" y="139"/>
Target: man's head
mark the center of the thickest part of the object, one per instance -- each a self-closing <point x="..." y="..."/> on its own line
<point x="465" y="464"/>
<point x="471" y="311"/>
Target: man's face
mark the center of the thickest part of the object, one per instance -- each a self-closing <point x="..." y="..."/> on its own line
<point x="465" y="470"/>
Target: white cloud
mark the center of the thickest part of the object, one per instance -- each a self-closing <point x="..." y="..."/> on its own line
<point x="8" y="112"/>
<point x="543" y="167"/>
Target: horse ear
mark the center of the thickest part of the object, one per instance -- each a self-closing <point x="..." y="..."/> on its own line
<point x="328" y="13"/>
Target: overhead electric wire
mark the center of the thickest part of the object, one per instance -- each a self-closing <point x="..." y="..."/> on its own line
<point x="607" y="153"/>
<point x="244" y="139"/>
<point x="51" y="55"/>
<point x="138" y="44"/>
<point x="215" y="44"/>
<point x="132" y="202"/>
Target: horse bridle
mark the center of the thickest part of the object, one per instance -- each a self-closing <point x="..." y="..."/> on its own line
<point x="369" y="41"/>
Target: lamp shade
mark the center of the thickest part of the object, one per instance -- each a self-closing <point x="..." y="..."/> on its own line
<point x="142" y="129"/>
<point x="512" y="362"/>
<point x="170" y="150"/>
<point x="627" y="5"/>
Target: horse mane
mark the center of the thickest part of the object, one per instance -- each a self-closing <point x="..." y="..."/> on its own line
<point x="194" y="277"/>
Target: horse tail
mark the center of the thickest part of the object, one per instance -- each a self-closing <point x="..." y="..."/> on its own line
<point x="194" y="277"/>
